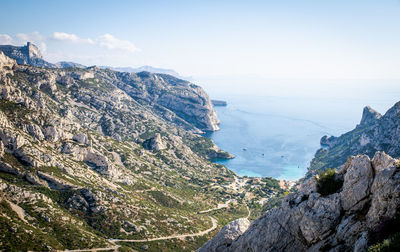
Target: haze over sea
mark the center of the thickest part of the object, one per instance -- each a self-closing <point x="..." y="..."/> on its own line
<point x="273" y="127"/>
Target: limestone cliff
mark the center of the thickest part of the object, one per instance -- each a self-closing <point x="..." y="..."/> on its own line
<point x="26" y="55"/>
<point x="374" y="133"/>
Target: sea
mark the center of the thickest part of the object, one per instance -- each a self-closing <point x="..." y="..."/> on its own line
<point x="273" y="127"/>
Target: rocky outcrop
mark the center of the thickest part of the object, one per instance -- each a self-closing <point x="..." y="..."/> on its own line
<point x="25" y="55"/>
<point x="35" y="131"/>
<point x="369" y="116"/>
<point x="4" y="167"/>
<point x="55" y="183"/>
<point x="226" y="236"/>
<point x="347" y="220"/>
<point x="85" y="201"/>
<point x="155" y="143"/>
<point x="81" y="138"/>
<point x="100" y="161"/>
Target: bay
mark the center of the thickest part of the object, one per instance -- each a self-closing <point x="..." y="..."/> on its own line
<point x="277" y="135"/>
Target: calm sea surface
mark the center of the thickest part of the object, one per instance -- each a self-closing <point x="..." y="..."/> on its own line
<point x="277" y="135"/>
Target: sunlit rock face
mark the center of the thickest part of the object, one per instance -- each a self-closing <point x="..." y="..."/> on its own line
<point x="375" y="132"/>
<point x="342" y="221"/>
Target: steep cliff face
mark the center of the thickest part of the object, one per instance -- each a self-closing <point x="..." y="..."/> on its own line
<point x="167" y="93"/>
<point x="26" y="55"/>
<point x="179" y="101"/>
<point x="374" y="133"/>
<point x="357" y="215"/>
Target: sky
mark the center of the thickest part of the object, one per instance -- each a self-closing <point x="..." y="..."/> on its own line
<point x="338" y="39"/>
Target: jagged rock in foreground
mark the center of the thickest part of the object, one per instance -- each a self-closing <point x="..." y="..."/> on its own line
<point x="227" y="235"/>
<point x="351" y="219"/>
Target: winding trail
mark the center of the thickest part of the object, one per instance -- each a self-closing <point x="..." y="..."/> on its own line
<point x="115" y="248"/>
<point x="181" y="236"/>
<point x="220" y="206"/>
<point x="248" y="209"/>
<point x="214" y="226"/>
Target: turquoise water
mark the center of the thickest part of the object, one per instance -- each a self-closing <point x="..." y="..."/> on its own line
<point x="277" y="136"/>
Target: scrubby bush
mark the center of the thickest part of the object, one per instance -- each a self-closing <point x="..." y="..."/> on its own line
<point x="391" y="244"/>
<point x="328" y="182"/>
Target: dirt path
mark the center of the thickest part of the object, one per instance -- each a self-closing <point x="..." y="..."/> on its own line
<point x="248" y="210"/>
<point x="182" y="236"/>
<point x="214" y="226"/>
<point x="115" y="248"/>
<point x="220" y="206"/>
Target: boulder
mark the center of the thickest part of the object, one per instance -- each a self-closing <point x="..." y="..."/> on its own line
<point x="155" y="143"/>
<point x="97" y="160"/>
<point x="80" y="138"/>
<point x="381" y="161"/>
<point x="226" y="236"/>
<point x="35" y="131"/>
<point x="357" y="182"/>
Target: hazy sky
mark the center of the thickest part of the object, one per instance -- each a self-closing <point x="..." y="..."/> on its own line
<point x="272" y="39"/>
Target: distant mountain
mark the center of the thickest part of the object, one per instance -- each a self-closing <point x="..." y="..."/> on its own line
<point x="30" y="55"/>
<point x="149" y="69"/>
<point x="67" y="64"/>
<point x="375" y="132"/>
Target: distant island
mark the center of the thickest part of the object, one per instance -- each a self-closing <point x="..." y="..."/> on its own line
<point x="219" y="103"/>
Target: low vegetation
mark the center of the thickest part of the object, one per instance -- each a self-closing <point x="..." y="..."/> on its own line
<point x="328" y="182"/>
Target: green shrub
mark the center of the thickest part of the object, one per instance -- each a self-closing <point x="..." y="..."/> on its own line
<point x="327" y="182"/>
<point x="391" y="244"/>
<point x="164" y="200"/>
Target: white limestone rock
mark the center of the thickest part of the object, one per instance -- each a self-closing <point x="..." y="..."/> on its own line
<point x="226" y="236"/>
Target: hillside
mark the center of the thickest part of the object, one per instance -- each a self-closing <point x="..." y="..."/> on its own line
<point x="91" y="156"/>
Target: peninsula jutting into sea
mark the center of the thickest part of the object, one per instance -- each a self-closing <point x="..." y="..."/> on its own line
<point x="216" y="126"/>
